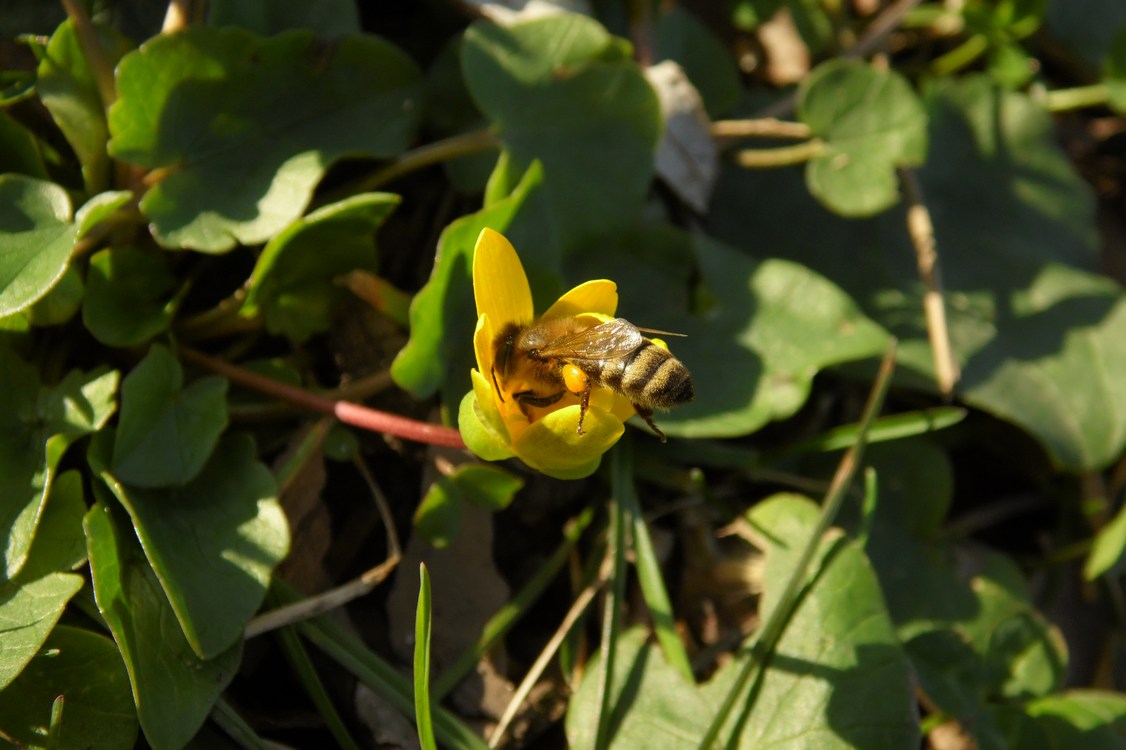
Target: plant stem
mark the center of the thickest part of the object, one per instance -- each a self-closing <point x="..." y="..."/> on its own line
<point x="346" y="411"/>
<point x="766" y="127"/>
<point x="1079" y="97"/>
<point x="779" y="157"/>
<point x="921" y="231"/>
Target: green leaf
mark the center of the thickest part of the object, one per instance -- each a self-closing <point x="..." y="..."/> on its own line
<point x="67" y="87"/>
<point x="37" y="424"/>
<point x="293" y="285"/>
<point x="1036" y="338"/>
<point x="1091" y="719"/>
<point x="327" y="18"/>
<point x="85" y="670"/>
<point x="213" y="542"/>
<point x="1108" y="549"/>
<point x="838" y="659"/>
<point x="174" y="689"/>
<point x="839" y="654"/>
<point x="422" y="663"/>
<point x="32" y="602"/>
<point x="166" y="432"/>
<point x="871" y="122"/>
<point x="560" y="89"/>
<point x="129" y="296"/>
<point x="705" y="60"/>
<point x="440" y="350"/>
<point x="438" y="517"/>
<point x="61" y="303"/>
<point x="487" y="487"/>
<point x="777" y="325"/>
<point x="101" y="208"/>
<point x="248" y="125"/>
<point x="36" y="240"/>
<point x="20" y="151"/>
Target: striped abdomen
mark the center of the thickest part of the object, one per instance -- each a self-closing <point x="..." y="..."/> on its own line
<point x="649" y="377"/>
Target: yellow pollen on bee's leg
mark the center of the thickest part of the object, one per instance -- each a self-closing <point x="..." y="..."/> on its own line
<point x="574" y="379"/>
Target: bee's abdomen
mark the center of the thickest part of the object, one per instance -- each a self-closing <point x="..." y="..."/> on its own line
<point x="651" y="377"/>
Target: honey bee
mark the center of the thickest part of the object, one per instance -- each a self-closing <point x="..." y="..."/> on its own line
<point x="556" y="355"/>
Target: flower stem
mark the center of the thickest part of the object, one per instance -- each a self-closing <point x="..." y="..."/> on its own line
<point x="346" y="411"/>
<point x="779" y="157"/>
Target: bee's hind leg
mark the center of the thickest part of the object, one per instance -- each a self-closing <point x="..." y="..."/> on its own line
<point x="584" y="402"/>
<point x="647" y="415"/>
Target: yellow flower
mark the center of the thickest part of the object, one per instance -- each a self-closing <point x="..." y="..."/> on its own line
<point x="491" y="420"/>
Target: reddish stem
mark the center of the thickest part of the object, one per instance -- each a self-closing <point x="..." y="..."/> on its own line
<point x="346" y="411"/>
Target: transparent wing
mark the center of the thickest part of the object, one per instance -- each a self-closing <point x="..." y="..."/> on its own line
<point x="610" y="340"/>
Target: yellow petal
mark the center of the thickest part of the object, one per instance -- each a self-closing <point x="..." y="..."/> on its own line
<point x="483" y="390"/>
<point x="616" y="404"/>
<point x="553" y="445"/>
<point x="499" y="283"/>
<point x="483" y="345"/>
<point x="599" y="296"/>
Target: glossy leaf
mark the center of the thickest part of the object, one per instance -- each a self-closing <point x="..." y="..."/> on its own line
<point x="294" y="282"/>
<point x="85" y="669"/>
<point x="32" y="602"/>
<point x="129" y="296"/>
<point x="838" y="659"/>
<point x="174" y="689"/>
<point x="166" y="432"/>
<point x="438" y="517"/>
<point x="37" y="425"/>
<point x="777" y="325"/>
<point x="213" y="542"/>
<point x="65" y="83"/>
<point x="871" y="123"/>
<point x="36" y="240"/>
<point x="201" y="103"/>
<point x="562" y="90"/>
<point x="1035" y="333"/>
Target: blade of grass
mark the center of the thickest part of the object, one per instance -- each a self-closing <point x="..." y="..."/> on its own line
<point x="345" y="649"/>
<point x="422" y="662"/>
<point x="892" y="427"/>
<point x="762" y="643"/>
<point x="508" y="615"/>
<point x="611" y="622"/>
<point x="236" y="727"/>
<point x="645" y="559"/>
<point x="298" y="658"/>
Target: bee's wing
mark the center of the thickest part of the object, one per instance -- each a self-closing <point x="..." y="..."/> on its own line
<point x="610" y="340"/>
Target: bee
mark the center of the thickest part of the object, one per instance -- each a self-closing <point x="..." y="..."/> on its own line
<point x="557" y="355"/>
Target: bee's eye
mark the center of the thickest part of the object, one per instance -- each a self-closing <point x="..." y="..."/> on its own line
<point x="503" y="355"/>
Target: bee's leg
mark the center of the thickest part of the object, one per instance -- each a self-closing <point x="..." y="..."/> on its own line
<point x="647" y="415"/>
<point x="529" y="398"/>
<point x="584" y="402"/>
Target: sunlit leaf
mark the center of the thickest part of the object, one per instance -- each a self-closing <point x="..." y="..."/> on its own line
<point x="166" y="432"/>
<point x="246" y="126"/>
<point x="295" y="281"/>
<point x="871" y="123"/>
<point x="36" y="240"/>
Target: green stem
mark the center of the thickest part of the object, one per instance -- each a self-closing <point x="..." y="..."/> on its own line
<point x="1079" y="97"/>
<point x="615" y="595"/>
<point x="765" y="640"/>
<point x="645" y="560"/>
<point x="783" y="156"/>
<point x="423" y="156"/>
<point x="961" y="56"/>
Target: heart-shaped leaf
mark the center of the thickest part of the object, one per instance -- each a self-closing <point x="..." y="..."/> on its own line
<point x="36" y="240"/>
